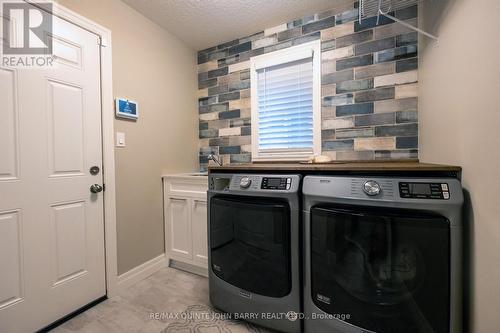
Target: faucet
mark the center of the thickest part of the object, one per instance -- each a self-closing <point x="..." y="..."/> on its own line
<point x="215" y="159"/>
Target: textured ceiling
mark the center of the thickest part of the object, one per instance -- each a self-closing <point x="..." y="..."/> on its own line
<point x="205" y="23"/>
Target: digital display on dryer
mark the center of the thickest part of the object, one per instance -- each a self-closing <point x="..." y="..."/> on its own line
<point x="424" y="191"/>
<point x="269" y="183"/>
<point x="420" y="189"/>
<point x="273" y="182"/>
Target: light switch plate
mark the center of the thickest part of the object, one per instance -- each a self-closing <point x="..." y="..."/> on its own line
<point x="120" y="139"/>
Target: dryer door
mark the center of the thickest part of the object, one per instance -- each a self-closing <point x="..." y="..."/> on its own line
<point x="250" y="244"/>
<point x="388" y="270"/>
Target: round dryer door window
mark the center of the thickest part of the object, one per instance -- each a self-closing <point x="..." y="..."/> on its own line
<point x="387" y="269"/>
<point x="250" y="244"/>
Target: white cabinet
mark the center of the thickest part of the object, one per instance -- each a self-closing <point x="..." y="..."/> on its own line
<point x="199" y="225"/>
<point x="179" y="228"/>
<point x="185" y="204"/>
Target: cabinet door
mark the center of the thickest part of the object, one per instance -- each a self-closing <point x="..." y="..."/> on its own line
<point x="199" y="223"/>
<point x="179" y="227"/>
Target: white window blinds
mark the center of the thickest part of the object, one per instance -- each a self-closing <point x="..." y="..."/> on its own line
<point x="285" y="108"/>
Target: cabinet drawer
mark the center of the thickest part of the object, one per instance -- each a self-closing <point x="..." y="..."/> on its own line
<point x="192" y="188"/>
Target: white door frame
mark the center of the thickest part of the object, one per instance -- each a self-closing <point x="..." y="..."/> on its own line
<point x="107" y="114"/>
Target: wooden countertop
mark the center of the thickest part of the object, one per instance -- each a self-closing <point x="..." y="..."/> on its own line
<point x="348" y="166"/>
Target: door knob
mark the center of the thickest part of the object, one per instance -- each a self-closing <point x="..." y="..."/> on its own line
<point x="96" y="188"/>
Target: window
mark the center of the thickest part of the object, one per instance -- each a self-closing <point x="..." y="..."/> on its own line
<point x="286" y="106"/>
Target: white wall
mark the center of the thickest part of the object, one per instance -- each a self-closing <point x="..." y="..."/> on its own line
<point x="156" y="69"/>
<point x="459" y="114"/>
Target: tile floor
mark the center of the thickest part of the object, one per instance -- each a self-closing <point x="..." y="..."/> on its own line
<point x="169" y="292"/>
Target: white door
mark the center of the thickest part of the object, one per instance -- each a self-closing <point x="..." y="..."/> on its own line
<point x="199" y="226"/>
<point x="51" y="225"/>
<point x="180" y="228"/>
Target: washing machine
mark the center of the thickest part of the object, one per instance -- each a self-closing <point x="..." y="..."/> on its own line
<point x="382" y="254"/>
<point x="254" y="248"/>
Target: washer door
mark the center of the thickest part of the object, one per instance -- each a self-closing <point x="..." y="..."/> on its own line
<point x="387" y="269"/>
<point x="250" y="244"/>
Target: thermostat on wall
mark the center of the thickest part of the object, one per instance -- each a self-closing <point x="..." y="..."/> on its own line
<point x="126" y="108"/>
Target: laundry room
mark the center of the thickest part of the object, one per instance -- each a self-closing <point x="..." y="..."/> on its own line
<point x="295" y="166"/>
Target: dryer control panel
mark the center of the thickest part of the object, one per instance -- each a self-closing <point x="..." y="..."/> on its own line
<point x="268" y="183"/>
<point x="424" y="190"/>
<point x="276" y="183"/>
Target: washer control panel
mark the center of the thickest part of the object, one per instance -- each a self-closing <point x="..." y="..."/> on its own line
<point x="276" y="183"/>
<point x="424" y="190"/>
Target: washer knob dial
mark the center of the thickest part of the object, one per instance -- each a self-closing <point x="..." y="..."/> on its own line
<point x="245" y="182"/>
<point x="371" y="188"/>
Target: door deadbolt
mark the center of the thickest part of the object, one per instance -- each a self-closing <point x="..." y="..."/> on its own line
<point x="94" y="170"/>
<point x="96" y="188"/>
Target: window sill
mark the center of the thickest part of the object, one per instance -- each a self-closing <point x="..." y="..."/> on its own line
<point x="296" y="158"/>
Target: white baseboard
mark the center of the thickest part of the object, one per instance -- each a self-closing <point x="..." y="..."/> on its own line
<point x="141" y="272"/>
<point x="203" y="271"/>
